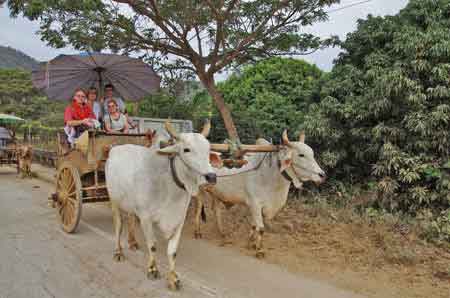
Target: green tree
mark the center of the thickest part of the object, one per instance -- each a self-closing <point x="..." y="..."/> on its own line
<point x="385" y="114"/>
<point x="205" y="36"/>
<point x="19" y="97"/>
<point x="268" y="97"/>
<point x="15" y="85"/>
<point x="166" y="105"/>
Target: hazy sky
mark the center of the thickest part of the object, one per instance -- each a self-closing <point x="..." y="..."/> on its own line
<point x="21" y="34"/>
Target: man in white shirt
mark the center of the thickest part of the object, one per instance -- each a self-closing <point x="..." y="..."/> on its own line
<point x="109" y="90"/>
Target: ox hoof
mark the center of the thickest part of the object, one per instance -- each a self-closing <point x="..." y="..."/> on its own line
<point x="198" y="235"/>
<point x="118" y="256"/>
<point x="133" y="246"/>
<point x="153" y="273"/>
<point x="260" y="254"/>
<point x="225" y="241"/>
<point x="174" y="282"/>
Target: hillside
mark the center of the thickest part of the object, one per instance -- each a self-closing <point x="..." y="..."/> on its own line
<point x="12" y="58"/>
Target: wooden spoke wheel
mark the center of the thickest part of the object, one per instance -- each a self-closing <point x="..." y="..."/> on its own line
<point x="69" y="197"/>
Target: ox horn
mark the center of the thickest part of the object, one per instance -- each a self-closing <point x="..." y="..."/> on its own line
<point x="172" y="132"/>
<point x="301" y="137"/>
<point x="206" y="128"/>
<point x="285" y="138"/>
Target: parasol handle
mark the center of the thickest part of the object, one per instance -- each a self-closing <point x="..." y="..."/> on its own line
<point x="100" y="82"/>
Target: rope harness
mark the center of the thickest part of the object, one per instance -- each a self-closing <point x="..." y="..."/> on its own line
<point x="283" y="173"/>
<point x="248" y="170"/>
<point x="181" y="185"/>
<point x="173" y="170"/>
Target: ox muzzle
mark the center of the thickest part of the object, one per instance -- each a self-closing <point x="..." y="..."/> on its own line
<point x="211" y="178"/>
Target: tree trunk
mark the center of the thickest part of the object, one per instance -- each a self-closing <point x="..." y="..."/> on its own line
<point x="223" y="109"/>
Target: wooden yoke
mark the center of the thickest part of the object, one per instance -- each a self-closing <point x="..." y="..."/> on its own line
<point x="246" y="148"/>
<point x="237" y="161"/>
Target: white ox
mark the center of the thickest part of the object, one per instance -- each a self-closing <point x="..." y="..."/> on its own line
<point x="140" y="180"/>
<point x="262" y="185"/>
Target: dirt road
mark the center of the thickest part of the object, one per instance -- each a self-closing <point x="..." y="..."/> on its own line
<point x="39" y="260"/>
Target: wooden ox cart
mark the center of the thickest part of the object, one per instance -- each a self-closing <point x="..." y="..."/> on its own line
<point x="8" y="149"/>
<point x="80" y="174"/>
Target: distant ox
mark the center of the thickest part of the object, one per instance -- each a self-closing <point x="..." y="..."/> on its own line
<point x="262" y="185"/>
<point x="24" y="159"/>
<point x="157" y="186"/>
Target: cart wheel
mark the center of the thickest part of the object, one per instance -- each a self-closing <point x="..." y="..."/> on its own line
<point x="68" y="190"/>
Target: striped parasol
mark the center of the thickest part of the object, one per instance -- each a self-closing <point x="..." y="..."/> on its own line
<point x="59" y="77"/>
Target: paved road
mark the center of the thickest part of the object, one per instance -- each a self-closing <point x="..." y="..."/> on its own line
<point x="37" y="259"/>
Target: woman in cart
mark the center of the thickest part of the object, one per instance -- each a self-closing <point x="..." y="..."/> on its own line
<point x="94" y="104"/>
<point x="78" y="116"/>
<point x="115" y="121"/>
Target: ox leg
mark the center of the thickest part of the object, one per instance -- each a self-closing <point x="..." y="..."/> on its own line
<point x="260" y="252"/>
<point x="132" y="243"/>
<point x="152" y="269"/>
<point x="198" y="212"/>
<point x="29" y="170"/>
<point x="216" y="205"/>
<point x="117" y="219"/>
<point x="251" y="238"/>
<point x="258" y="231"/>
<point x="172" y="277"/>
<point x="22" y="170"/>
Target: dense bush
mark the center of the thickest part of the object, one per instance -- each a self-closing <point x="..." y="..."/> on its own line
<point x="384" y="117"/>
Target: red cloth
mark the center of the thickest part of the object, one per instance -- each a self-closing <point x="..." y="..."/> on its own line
<point x="78" y="112"/>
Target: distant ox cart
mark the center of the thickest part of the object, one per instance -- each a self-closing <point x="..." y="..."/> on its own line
<point x="8" y="149"/>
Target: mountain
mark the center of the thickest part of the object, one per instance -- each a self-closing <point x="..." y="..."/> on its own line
<point x="12" y="58"/>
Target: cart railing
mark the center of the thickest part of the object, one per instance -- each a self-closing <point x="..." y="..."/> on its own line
<point x="45" y="157"/>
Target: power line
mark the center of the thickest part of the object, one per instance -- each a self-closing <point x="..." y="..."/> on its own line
<point x="348" y="6"/>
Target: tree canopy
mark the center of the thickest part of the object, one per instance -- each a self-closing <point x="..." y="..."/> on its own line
<point x="19" y="97"/>
<point x="385" y="113"/>
<point x="267" y="97"/>
<point x="202" y="36"/>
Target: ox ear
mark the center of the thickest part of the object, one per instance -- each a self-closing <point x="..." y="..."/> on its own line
<point x="168" y="150"/>
<point x="286" y="163"/>
<point x="149" y="137"/>
<point x="215" y="160"/>
<point x="285" y="160"/>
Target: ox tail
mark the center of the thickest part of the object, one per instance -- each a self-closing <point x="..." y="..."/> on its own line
<point x="203" y="214"/>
